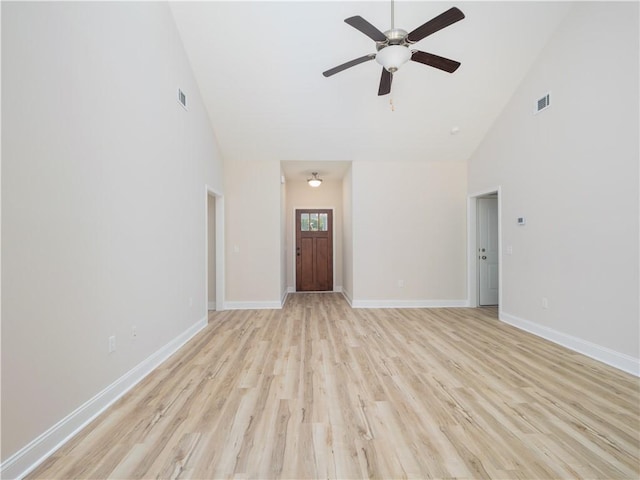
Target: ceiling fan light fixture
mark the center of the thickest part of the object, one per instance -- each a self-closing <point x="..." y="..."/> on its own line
<point x="393" y="46"/>
<point x="314" y="181"/>
<point x="393" y="57"/>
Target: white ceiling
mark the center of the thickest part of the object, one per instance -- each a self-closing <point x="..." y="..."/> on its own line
<point x="259" y="68"/>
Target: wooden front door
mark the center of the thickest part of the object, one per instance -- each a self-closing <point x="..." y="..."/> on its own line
<point x="314" y="250"/>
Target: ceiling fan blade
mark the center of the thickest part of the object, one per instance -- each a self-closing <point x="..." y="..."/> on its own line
<point x="385" y="82"/>
<point x="365" y="27"/>
<point x="352" y="63"/>
<point x="435" y="61"/>
<point x="443" y="20"/>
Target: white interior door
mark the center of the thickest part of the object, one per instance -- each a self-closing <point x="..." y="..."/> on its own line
<point x="488" y="251"/>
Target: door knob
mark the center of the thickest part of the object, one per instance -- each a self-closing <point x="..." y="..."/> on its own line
<point x="484" y="257"/>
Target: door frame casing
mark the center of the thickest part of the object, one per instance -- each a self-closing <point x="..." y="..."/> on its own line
<point x="472" y="240"/>
<point x="292" y="288"/>
<point x="219" y="247"/>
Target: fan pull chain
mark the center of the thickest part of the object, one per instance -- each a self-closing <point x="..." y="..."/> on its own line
<point x="393" y="108"/>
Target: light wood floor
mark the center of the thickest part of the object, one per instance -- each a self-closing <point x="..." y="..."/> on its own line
<point x="318" y="390"/>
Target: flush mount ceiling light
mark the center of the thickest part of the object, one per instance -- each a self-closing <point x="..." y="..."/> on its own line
<point x="314" y="181"/>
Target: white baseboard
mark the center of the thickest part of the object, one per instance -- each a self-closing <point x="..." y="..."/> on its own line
<point x="267" y="305"/>
<point x="347" y="297"/>
<point x="408" y="303"/>
<point x="337" y="289"/>
<point x="615" y="359"/>
<point x="211" y="305"/>
<point x="34" y="453"/>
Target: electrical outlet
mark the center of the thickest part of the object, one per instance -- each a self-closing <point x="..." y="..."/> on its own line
<point x="191" y="301"/>
<point x="545" y="302"/>
<point x="134" y="332"/>
<point x="400" y="283"/>
<point x="112" y="343"/>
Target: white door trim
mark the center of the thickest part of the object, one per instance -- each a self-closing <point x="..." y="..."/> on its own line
<point x="472" y="264"/>
<point x="219" y="240"/>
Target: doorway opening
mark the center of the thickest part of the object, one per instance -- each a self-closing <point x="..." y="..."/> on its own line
<point x="214" y="244"/>
<point x="485" y="249"/>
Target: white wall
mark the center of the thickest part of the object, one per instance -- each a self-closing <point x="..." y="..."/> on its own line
<point x="572" y="171"/>
<point x="409" y="225"/>
<point x="253" y="234"/>
<point x="103" y="202"/>
<point x="394" y="221"/>
<point x="301" y="195"/>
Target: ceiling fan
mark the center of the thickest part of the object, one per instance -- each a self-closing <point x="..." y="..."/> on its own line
<point x="393" y="46"/>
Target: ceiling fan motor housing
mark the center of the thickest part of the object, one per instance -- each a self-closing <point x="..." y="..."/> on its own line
<point x="395" y="36"/>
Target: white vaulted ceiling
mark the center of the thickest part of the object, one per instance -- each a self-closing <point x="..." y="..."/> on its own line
<point x="259" y="67"/>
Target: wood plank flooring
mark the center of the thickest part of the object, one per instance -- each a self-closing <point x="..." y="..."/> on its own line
<point x="320" y="390"/>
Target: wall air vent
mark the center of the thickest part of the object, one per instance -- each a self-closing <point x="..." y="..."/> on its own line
<point x="542" y="103"/>
<point x="182" y="98"/>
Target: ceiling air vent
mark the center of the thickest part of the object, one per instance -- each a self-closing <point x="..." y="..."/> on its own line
<point x="182" y="98"/>
<point x="542" y="103"/>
